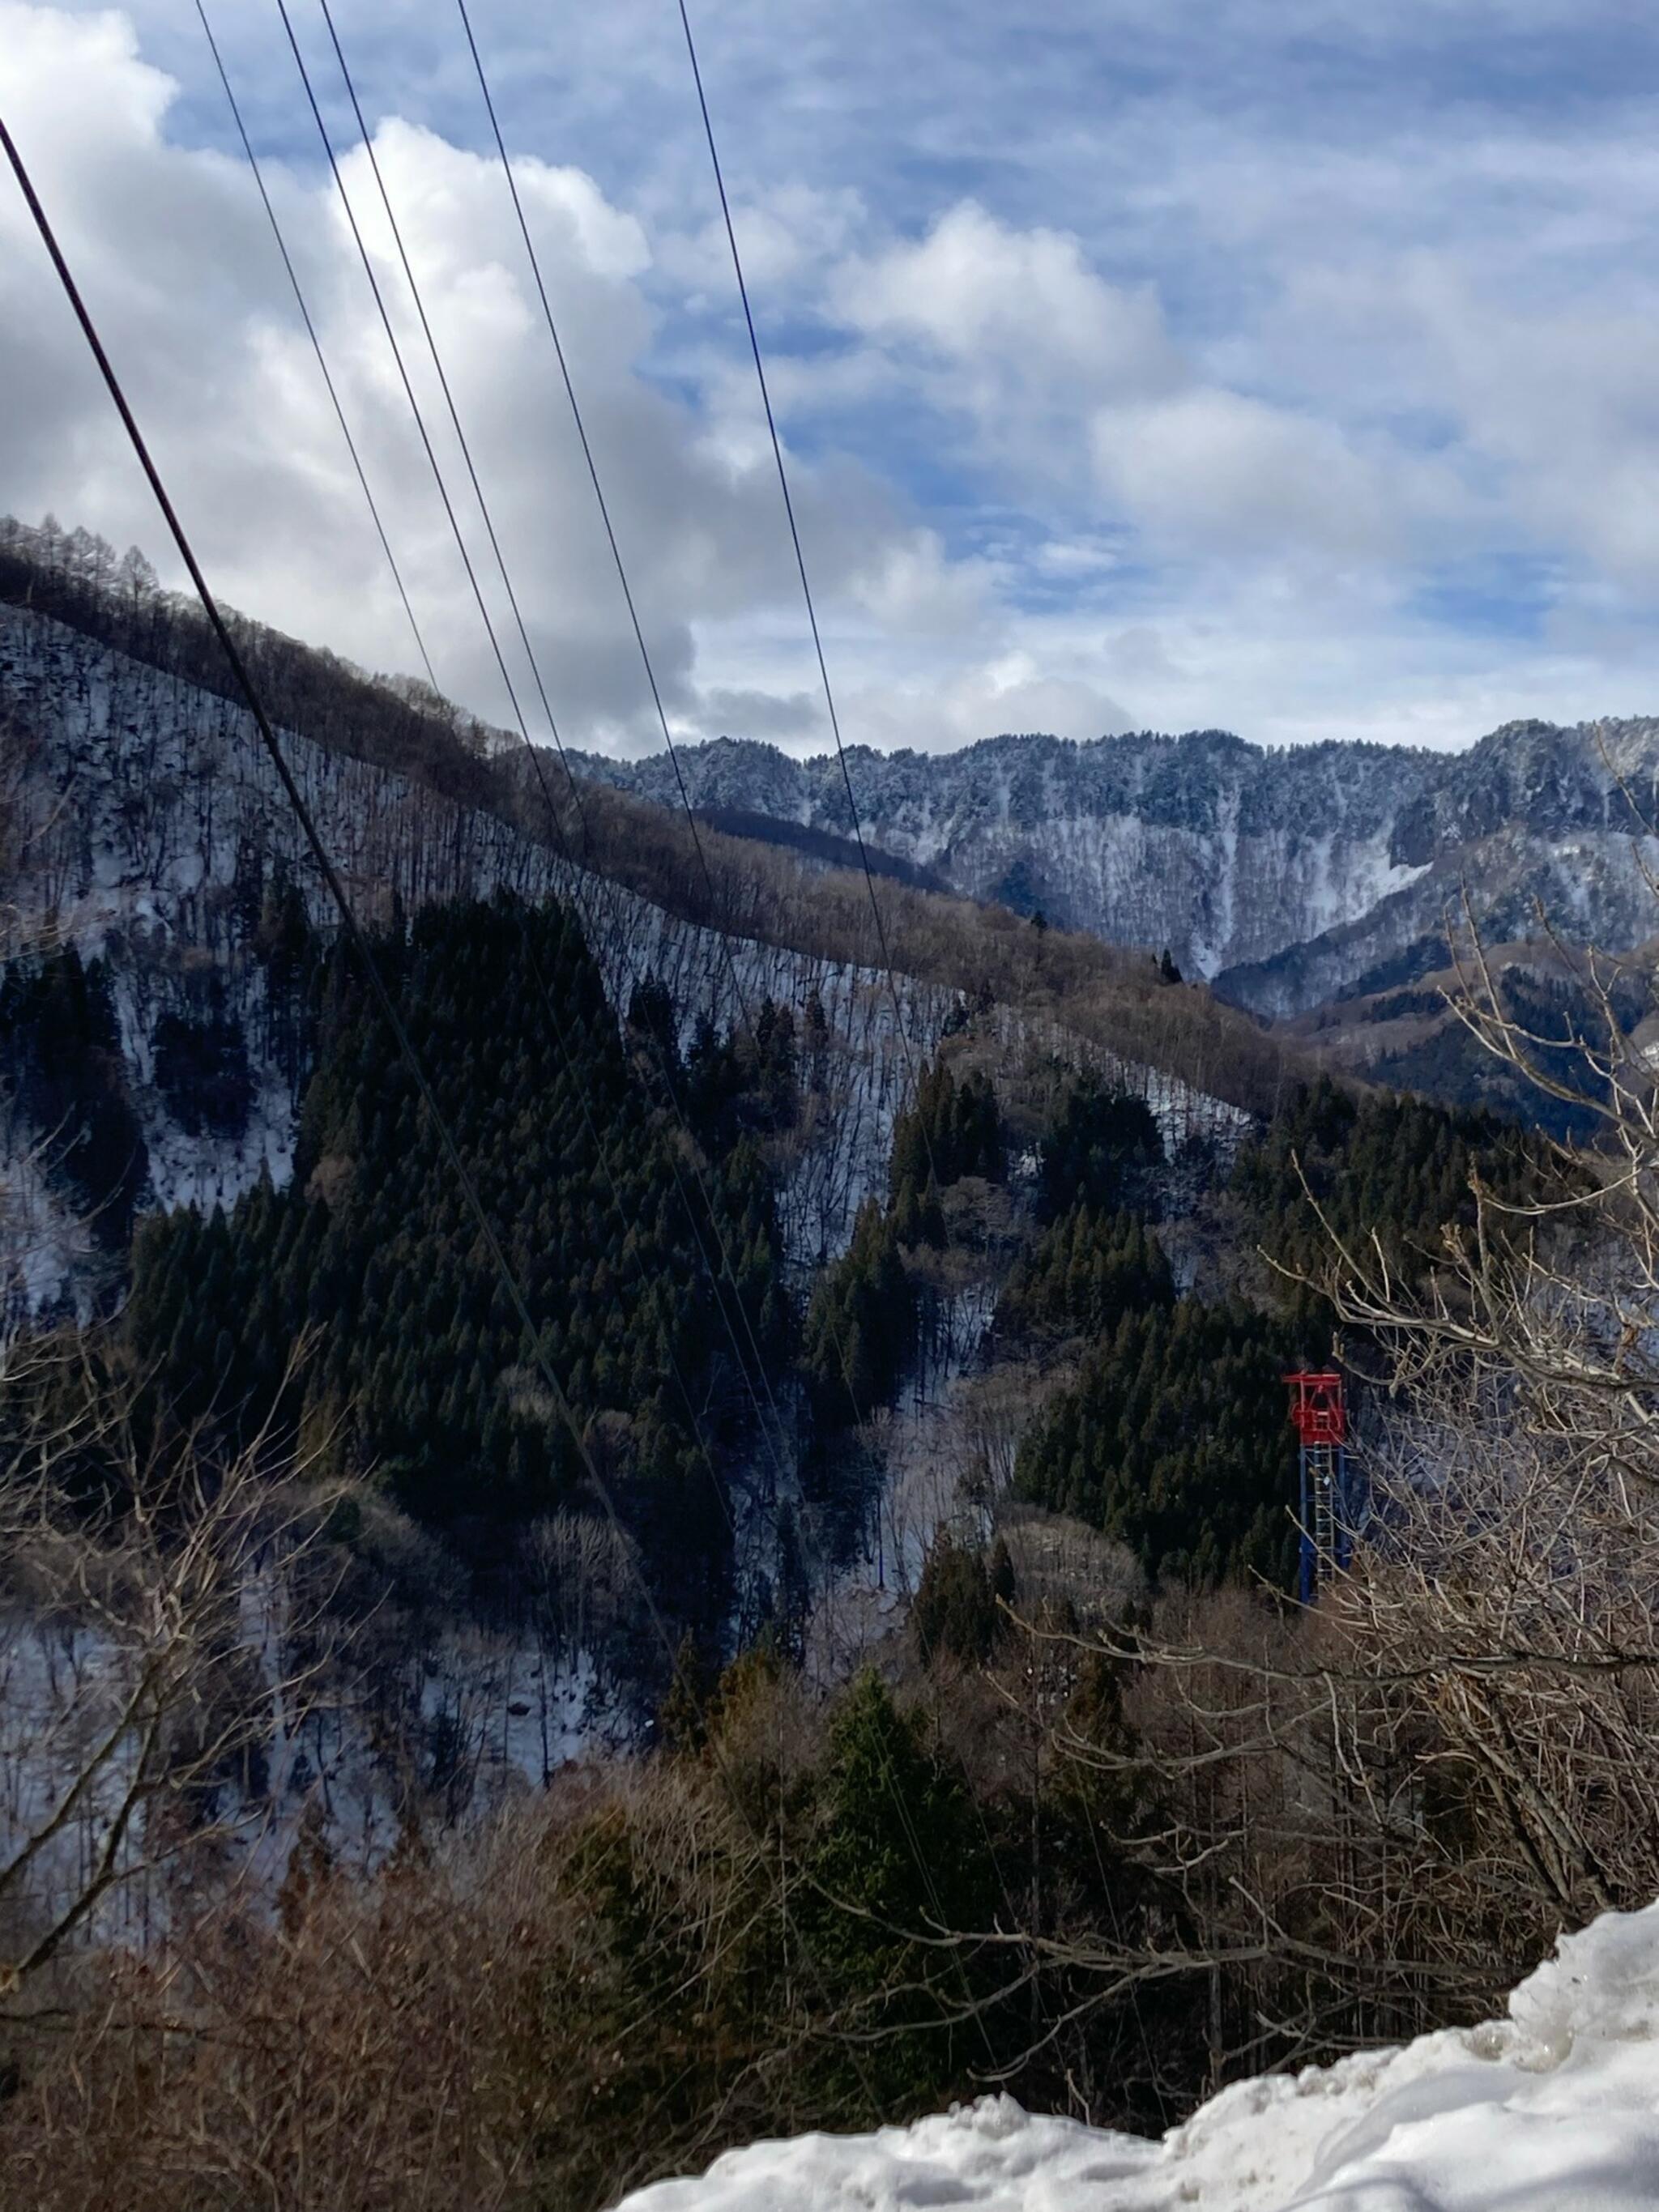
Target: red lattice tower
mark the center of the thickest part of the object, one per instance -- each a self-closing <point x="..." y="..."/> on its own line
<point x="1319" y="1414"/>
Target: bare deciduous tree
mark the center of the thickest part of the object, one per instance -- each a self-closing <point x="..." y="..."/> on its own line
<point x="147" y="1689"/>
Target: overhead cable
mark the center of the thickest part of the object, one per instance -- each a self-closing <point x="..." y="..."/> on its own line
<point x="316" y="342"/>
<point x="384" y="999"/>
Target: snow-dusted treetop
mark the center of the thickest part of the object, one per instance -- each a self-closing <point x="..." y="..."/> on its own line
<point x="1554" y="2109"/>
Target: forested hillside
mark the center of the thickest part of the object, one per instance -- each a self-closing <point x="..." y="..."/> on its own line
<point x="759" y="1197"/>
<point x="833" y="1385"/>
<point x="764" y="1507"/>
<point x="419" y="1368"/>
<point x="146" y="830"/>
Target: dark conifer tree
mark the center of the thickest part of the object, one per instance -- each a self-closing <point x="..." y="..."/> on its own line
<point x="899" y="1853"/>
<point x="1102" y="1150"/>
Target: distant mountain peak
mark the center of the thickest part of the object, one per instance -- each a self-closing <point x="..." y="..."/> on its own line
<point x="1285" y="874"/>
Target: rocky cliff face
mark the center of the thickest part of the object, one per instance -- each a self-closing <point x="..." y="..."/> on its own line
<point x="1534" y="825"/>
<point x="1203" y="843"/>
<point x="1284" y="876"/>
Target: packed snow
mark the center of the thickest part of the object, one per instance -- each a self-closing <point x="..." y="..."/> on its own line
<point x="1553" y="2109"/>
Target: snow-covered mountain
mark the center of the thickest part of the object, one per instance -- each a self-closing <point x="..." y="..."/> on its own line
<point x="147" y="827"/>
<point x="1555" y="2109"/>
<point x="143" y="825"/>
<point x="1285" y="877"/>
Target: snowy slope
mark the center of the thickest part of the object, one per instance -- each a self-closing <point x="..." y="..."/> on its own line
<point x="145" y="802"/>
<point x="1283" y="876"/>
<point x="1205" y="844"/>
<point x="1554" y="2109"/>
<point x="145" y="820"/>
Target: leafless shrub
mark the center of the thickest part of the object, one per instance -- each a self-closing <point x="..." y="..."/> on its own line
<point x="583" y="1575"/>
<point x="460" y="2032"/>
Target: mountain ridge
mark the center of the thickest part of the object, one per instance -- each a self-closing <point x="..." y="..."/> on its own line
<point x="1281" y="875"/>
<point x="146" y="831"/>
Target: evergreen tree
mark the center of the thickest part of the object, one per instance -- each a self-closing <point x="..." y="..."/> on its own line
<point x="61" y="1046"/>
<point x="951" y="1130"/>
<point x="1376" y="1163"/>
<point x="954" y="1613"/>
<point x="860" y="1325"/>
<point x="1102" y="1150"/>
<point x="1175" y="1438"/>
<point x="1085" y="1272"/>
<point x="899" y="1856"/>
<point x="818" y="1044"/>
<point x="652" y="1016"/>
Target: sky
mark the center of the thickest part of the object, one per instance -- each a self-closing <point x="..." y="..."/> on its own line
<point x="1290" y="366"/>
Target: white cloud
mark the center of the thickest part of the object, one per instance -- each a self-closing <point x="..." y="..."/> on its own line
<point x="171" y="247"/>
<point x="1215" y="394"/>
<point x="1019" y="306"/>
<point x="1559" y="406"/>
<point x="1010" y="328"/>
<point x="1217" y="471"/>
<point x="1063" y="372"/>
<point x="791" y="237"/>
<point x="915" y="589"/>
<point x="984" y="699"/>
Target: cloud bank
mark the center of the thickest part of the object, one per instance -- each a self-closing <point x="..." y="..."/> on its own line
<point x="1296" y="378"/>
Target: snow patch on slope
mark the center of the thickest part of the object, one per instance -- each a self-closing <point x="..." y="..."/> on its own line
<point x="1554" y="2109"/>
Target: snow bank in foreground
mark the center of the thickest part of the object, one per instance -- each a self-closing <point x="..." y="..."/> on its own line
<point x="1555" y="2109"/>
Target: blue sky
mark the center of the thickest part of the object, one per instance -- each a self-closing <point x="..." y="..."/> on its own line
<point x="1289" y="367"/>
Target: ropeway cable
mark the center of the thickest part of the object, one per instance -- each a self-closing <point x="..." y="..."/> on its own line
<point x="696" y="1222"/>
<point x="316" y="342"/>
<point x="795" y="539"/>
<point x="534" y="752"/>
<point x="384" y="999"/>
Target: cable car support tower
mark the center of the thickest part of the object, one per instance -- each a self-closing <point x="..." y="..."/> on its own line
<point x="1319" y="1414"/>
